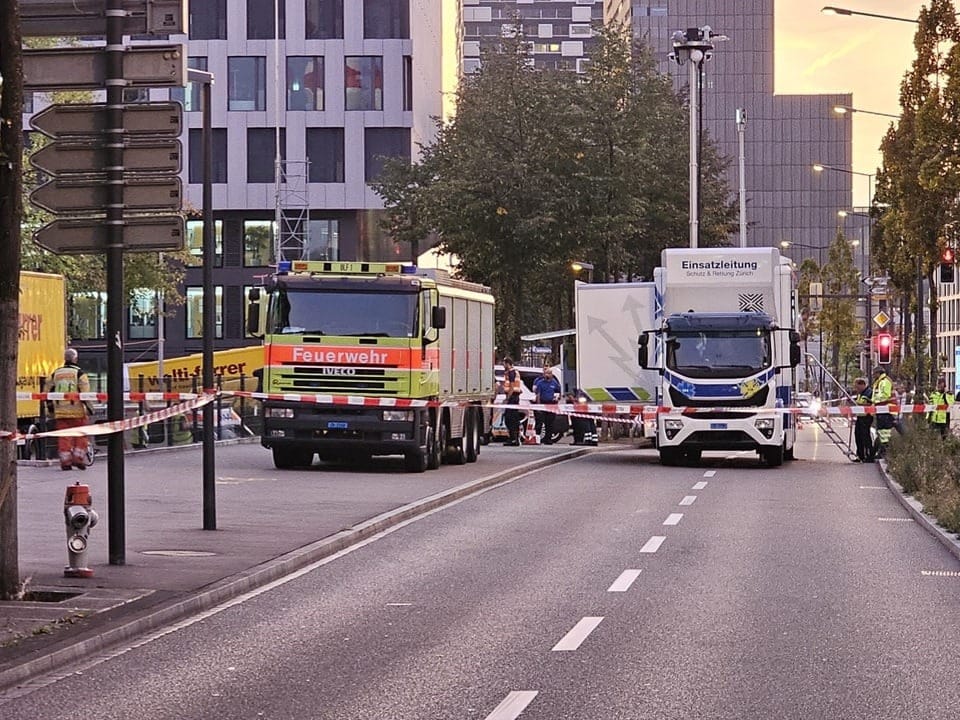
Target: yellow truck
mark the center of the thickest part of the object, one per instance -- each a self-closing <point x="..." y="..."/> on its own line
<point x="183" y="371"/>
<point x="42" y="337"/>
<point x="412" y="348"/>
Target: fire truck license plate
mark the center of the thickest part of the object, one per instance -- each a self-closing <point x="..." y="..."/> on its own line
<point x="336" y="425"/>
<point x="718" y="426"/>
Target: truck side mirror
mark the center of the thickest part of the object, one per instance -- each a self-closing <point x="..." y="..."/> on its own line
<point x="642" y="353"/>
<point x="794" y="348"/>
<point x="254" y="314"/>
<point x="438" y="317"/>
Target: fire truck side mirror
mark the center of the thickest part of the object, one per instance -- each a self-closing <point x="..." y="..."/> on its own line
<point x="642" y="353"/>
<point x="255" y="314"/>
<point x="438" y="317"/>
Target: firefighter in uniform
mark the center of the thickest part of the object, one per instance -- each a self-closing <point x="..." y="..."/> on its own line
<point x="880" y="394"/>
<point x="511" y="388"/>
<point x="69" y="378"/>
<point x="940" y="419"/>
<point x="862" y="424"/>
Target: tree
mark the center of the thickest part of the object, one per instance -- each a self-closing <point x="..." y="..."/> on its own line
<point x="838" y="319"/>
<point x="540" y="168"/>
<point x="11" y="159"/>
<point x="920" y="177"/>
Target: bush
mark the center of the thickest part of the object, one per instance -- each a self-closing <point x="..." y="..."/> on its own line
<point x="927" y="467"/>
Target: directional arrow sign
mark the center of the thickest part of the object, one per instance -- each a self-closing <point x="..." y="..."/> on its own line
<point x="159" y="156"/>
<point x="147" y="233"/>
<point x="85" y="68"/>
<point x="162" y="119"/>
<point x="91" y="195"/>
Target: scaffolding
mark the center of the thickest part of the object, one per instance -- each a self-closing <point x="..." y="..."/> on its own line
<point x="292" y="211"/>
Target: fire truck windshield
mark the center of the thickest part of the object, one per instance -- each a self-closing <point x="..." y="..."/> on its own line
<point x="720" y="354"/>
<point x="371" y="314"/>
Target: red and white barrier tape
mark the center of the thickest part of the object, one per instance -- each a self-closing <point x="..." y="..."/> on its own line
<point x="113" y="426"/>
<point x="102" y="397"/>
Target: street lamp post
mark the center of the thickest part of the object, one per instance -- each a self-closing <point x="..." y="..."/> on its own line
<point x="845" y="109"/>
<point x="578" y="266"/>
<point x="831" y="10"/>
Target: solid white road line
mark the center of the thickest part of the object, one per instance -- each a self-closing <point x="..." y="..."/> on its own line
<point x="653" y="544"/>
<point x="700" y="485"/>
<point x="513" y="704"/>
<point x="873" y="487"/>
<point x="688" y="500"/>
<point x="623" y="583"/>
<point x="710" y="473"/>
<point x="579" y="633"/>
<point x="673" y="519"/>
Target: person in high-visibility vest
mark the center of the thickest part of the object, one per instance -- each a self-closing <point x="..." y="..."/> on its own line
<point x="861" y="427"/>
<point x="880" y="394"/>
<point x="940" y="419"/>
<point x="70" y="378"/>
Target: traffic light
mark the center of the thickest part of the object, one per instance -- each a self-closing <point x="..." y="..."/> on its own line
<point x="948" y="259"/>
<point x="884" y="348"/>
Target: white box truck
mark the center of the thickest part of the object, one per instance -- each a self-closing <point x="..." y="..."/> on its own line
<point x="725" y="338"/>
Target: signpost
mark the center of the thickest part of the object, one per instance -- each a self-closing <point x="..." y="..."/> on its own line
<point x="90" y="194"/>
<point x="78" y="236"/>
<point x="69" y="18"/>
<point x="78" y="156"/>
<point x="85" y="68"/>
<point x="148" y="120"/>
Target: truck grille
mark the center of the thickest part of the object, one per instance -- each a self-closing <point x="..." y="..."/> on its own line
<point x="359" y="381"/>
<point x="758" y="400"/>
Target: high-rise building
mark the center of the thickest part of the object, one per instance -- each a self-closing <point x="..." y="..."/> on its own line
<point x="559" y="32"/>
<point x="785" y="135"/>
<point x="337" y="87"/>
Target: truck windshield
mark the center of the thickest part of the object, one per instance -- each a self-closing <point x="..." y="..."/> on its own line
<point x="718" y="354"/>
<point x="373" y="314"/>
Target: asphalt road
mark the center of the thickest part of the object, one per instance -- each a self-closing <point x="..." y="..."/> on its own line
<point x="602" y="588"/>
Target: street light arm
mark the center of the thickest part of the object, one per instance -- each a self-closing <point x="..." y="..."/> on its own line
<point x="831" y="10"/>
<point x="844" y="109"/>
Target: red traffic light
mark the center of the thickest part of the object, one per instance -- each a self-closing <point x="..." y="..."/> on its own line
<point x="948" y="255"/>
<point x="884" y="346"/>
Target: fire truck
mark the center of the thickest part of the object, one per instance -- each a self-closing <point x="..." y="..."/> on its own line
<point x="364" y="358"/>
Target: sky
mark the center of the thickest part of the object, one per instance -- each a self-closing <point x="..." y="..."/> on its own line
<point x="818" y="53"/>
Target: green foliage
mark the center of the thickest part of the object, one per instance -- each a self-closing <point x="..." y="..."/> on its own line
<point x="928" y="467"/>
<point x="920" y="178"/>
<point x="838" y="319"/>
<point x="541" y="168"/>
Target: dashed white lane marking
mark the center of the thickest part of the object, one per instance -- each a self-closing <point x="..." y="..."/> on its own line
<point x="940" y="573"/>
<point x="512" y="705"/>
<point x="700" y="485"/>
<point x="873" y="487"/>
<point x="623" y="583"/>
<point x="901" y="519"/>
<point x="579" y="633"/>
<point x="710" y="473"/>
<point x="673" y="519"/>
<point x="688" y="500"/>
<point x="653" y="544"/>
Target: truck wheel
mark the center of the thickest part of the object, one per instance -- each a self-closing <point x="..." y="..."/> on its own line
<point x="773" y="456"/>
<point x="692" y="457"/>
<point x="472" y="432"/>
<point x="789" y="454"/>
<point x="415" y="462"/>
<point x="435" y="443"/>
<point x="287" y="458"/>
<point x="670" y="456"/>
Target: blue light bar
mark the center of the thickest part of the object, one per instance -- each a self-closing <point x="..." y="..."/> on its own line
<point x="409" y="269"/>
<point x="284" y="266"/>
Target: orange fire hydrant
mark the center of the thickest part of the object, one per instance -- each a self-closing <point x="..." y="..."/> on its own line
<point x="79" y="517"/>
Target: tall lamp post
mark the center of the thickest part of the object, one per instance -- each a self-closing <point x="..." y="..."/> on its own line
<point x="846" y="109"/>
<point x="578" y="266"/>
<point x="831" y="10"/>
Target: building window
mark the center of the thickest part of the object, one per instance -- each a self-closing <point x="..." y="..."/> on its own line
<point x="262" y="154"/>
<point x="247" y="83"/>
<point x="192" y="97"/>
<point x="219" y="166"/>
<point x="258" y="242"/>
<point x="208" y="20"/>
<point x="325" y="153"/>
<point x="363" y="83"/>
<point x="407" y="82"/>
<point x="88" y="316"/>
<point x="324" y="240"/>
<point x="386" y="19"/>
<point x="381" y="144"/>
<point x="260" y="14"/>
<point x="324" y="19"/>
<point x="142" y="315"/>
<point x="194" y="307"/>
<point x="195" y="243"/>
<point x="304" y="83"/>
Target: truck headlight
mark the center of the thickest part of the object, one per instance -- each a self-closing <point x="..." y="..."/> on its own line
<point x="275" y="412"/>
<point x="398" y="415"/>
<point x="673" y="424"/>
<point x="765" y="426"/>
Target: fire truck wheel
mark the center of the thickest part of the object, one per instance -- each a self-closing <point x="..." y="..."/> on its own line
<point x="435" y="444"/>
<point x="472" y="432"/>
<point x="415" y="462"/>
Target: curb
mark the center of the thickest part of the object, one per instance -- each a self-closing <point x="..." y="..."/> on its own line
<point x="252" y="439"/>
<point x="269" y="571"/>
<point x="915" y="508"/>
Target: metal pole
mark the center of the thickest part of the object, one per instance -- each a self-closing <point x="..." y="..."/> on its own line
<point x="694" y="66"/>
<point x="209" y="314"/>
<point x="116" y="530"/>
<point x="741" y="132"/>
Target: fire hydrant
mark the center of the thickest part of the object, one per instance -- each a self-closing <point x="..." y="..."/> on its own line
<point x="79" y="518"/>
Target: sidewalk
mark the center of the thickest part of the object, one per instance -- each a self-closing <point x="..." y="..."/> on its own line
<point x="269" y="523"/>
